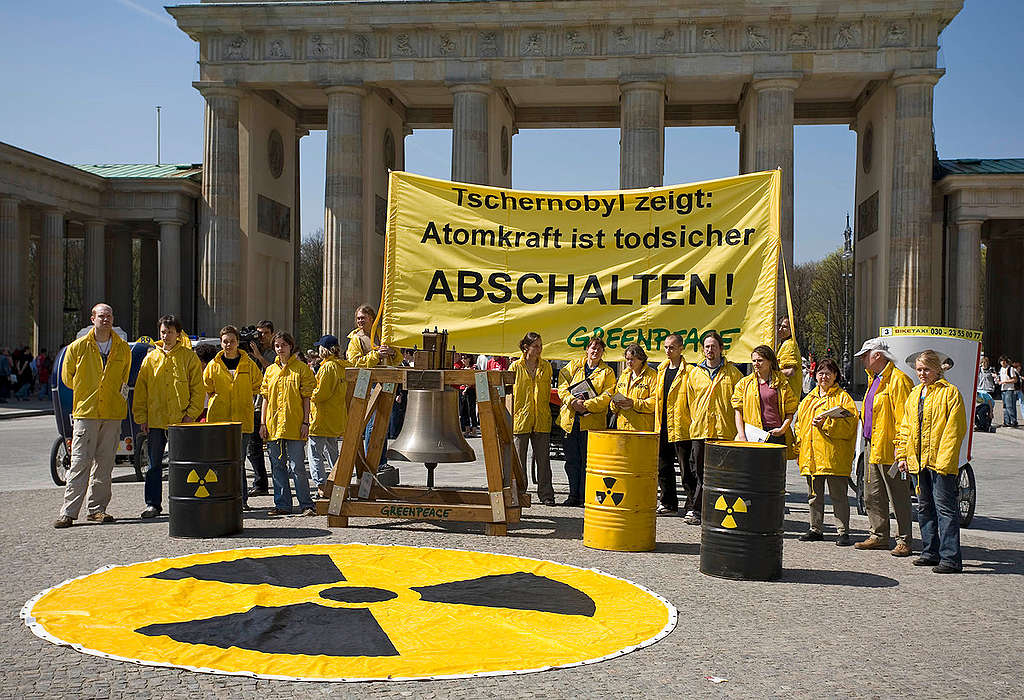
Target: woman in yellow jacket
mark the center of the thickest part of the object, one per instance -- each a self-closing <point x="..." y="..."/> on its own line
<point x="329" y="411"/>
<point x="928" y="445"/>
<point x="579" y="415"/>
<point x="286" y="390"/>
<point x="709" y="389"/>
<point x="362" y="352"/>
<point x="168" y="390"/>
<point x="531" y="412"/>
<point x="765" y="400"/>
<point x="637" y="386"/>
<point x="826" y="446"/>
<point x="232" y="380"/>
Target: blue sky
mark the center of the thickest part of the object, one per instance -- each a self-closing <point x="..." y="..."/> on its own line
<point x="82" y="78"/>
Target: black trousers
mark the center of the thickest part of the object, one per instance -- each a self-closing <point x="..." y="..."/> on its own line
<point x="670" y="454"/>
<point x="694" y="497"/>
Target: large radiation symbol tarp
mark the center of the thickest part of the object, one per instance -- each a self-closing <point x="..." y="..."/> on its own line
<point x="351" y="612"/>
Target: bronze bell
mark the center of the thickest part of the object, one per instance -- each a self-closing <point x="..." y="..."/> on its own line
<point x="431" y="433"/>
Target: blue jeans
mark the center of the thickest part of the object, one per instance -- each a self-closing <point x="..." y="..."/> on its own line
<point x="366" y="442"/>
<point x="287" y="459"/>
<point x="575" y="444"/>
<point x="938" y="515"/>
<point x="323" y="453"/>
<point x="156" y="441"/>
<point x="1010" y="407"/>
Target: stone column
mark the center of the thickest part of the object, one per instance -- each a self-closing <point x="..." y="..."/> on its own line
<point x="149" y="289"/>
<point x="297" y="232"/>
<point x="12" y="268"/>
<point x="773" y="148"/>
<point x="95" y="264"/>
<point x="170" y="267"/>
<point x="968" y="270"/>
<point x="221" y="268"/>
<point x="343" y="209"/>
<point x="51" y="280"/>
<point x="910" y="215"/>
<point x="642" y="134"/>
<point x="469" y="133"/>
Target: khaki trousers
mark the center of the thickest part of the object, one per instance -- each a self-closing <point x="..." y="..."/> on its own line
<point x="93" y="447"/>
<point x="879" y="490"/>
<point x="541" y="452"/>
<point x="837" y="489"/>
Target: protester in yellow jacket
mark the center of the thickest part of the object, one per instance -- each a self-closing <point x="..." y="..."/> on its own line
<point x="329" y="410"/>
<point x="826" y="447"/>
<point x="287" y="387"/>
<point x="531" y="412"/>
<point x="168" y="390"/>
<point x="709" y="389"/>
<point x="96" y="368"/>
<point x="764" y="400"/>
<point x="881" y="416"/>
<point x="579" y="415"/>
<point x="361" y="351"/>
<point x="637" y="385"/>
<point x="788" y="357"/>
<point x="928" y="444"/>
<point x="672" y="423"/>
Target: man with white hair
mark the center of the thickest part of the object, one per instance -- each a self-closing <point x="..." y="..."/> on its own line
<point x="96" y="369"/>
<point x="882" y="414"/>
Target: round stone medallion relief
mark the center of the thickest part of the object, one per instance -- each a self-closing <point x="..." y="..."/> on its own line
<point x="867" y="148"/>
<point x="275" y="153"/>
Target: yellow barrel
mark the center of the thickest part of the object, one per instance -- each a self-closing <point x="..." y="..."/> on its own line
<point x="621" y="490"/>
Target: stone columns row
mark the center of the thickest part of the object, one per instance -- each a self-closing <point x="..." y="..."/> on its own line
<point x="910" y="214"/>
<point x="968" y="269"/>
<point x="221" y="268"/>
<point x="51" y="280"/>
<point x="12" y="286"/>
<point x="343" y="207"/>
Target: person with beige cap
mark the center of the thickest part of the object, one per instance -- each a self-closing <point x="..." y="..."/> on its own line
<point x="881" y="416"/>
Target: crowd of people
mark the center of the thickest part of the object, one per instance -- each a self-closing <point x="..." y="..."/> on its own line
<point x="1005" y="383"/>
<point x="294" y="407"/>
<point x="22" y="376"/>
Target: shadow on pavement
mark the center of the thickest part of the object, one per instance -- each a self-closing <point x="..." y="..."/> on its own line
<point x="278" y="533"/>
<point x="981" y="560"/>
<point x="860" y="579"/>
<point x="689" y="548"/>
<point x="981" y="522"/>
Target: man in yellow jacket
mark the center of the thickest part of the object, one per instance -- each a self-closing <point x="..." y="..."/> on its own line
<point x="168" y="390"/>
<point x="95" y="368"/>
<point x="709" y="389"/>
<point x="672" y="423"/>
<point x="788" y="356"/>
<point x="881" y="416"/>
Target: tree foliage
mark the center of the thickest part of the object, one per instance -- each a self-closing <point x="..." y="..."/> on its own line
<point x="822" y="292"/>
<point x="311" y="288"/>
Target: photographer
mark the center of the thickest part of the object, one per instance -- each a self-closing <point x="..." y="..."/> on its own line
<point x="261" y="349"/>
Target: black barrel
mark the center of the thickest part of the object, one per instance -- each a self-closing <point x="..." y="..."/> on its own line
<point x="743" y="511"/>
<point x="204" y="479"/>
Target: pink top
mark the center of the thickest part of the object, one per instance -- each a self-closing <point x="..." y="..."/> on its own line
<point x="770" y="417"/>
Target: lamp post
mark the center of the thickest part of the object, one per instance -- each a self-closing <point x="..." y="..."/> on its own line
<point x="847" y="273"/>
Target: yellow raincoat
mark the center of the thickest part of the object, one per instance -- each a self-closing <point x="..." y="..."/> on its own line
<point x="97" y="387"/>
<point x="887" y="413"/>
<point x="642" y="390"/>
<point x="328" y="410"/>
<point x="603" y="379"/>
<point x="828" y="450"/>
<point x="169" y="386"/>
<point x="531" y="398"/>
<point x="284" y="387"/>
<point x="231" y="396"/>
<point x="678" y="414"/>
<point x="788" y="356"/>
<point x="710" y="401"/>
<point x="359" y="358"/>
<point x="747" y="398"/>
<point x="941" y="432"/>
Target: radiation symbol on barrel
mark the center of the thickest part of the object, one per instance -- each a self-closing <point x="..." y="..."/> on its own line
<point x="740" y="506"/>
<point x="609" y="492"/>
<point x="194" y="478"/>
<point x="351" y="612"/>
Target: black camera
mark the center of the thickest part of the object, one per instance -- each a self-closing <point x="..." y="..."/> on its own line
<point x="247" y="335"/>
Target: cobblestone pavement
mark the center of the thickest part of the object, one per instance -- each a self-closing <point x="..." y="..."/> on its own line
<point x="840" y="622"/>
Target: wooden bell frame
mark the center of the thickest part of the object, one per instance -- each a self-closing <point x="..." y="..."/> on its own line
<point x="496" y="507"/>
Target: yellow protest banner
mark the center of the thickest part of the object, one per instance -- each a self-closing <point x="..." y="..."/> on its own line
<point x="633" y="266"/>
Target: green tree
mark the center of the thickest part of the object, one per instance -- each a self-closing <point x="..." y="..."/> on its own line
<point x="311" y="288"/>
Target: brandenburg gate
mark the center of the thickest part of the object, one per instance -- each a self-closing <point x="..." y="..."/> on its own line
<point x="372" y="72"/>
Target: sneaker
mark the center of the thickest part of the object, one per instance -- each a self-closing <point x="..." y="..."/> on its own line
<point x="921" y="561"/>
<point x="308" y="512"/>
<point x="902" y="549"/>
<point x="100" y="517"/>
<point x="812" y="536"/>
<point x="873" y="542"/>
<point x="665" y="510"/>
<point x="62" y="522"/>
<point x="692" y="518"/>
<point x="150" y="512"/>
<point x="258" y="491"/>
<point x="843" y="540"/>
<point x="277" y="511"/>
<point x="571" y="502"/>
<point x="943" y="568"/>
